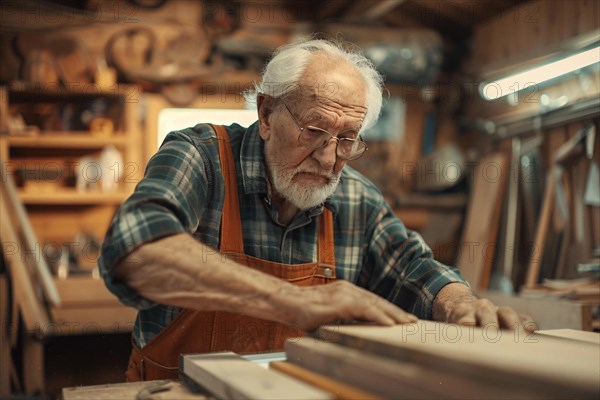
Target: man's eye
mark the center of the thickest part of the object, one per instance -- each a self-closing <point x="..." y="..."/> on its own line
<point x="314" y="131"/>
<point x="348" y="135"/>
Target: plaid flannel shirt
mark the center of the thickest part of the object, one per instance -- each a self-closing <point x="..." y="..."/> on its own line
<point x="183" y="191"/>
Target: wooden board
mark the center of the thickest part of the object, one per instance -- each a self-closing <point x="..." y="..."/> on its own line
<point x="538" y="364"/>
<point x="157" y="390"/>
<point x="340" y="390"/>
<point x="573" y="334"/>
<point x="389" y="377"/>
<point x="229" y="376"/>
<point x="25" y="297"/>
<point x="548" y="313"/>
<point x="580" y="245"/>
<point x="28" y="245"/>
<point x="541" y="231"/>
<point x="481" y="226"/>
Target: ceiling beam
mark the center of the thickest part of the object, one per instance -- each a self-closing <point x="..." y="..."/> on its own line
<point x="368" y="11"/>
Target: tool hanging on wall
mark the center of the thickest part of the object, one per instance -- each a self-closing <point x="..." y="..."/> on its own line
<point x="556" y="203"/>
<point x="174" y="72"/>
<point x="60" y="61"/>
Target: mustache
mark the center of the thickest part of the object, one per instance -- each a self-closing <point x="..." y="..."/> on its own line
<point x="316" y="171"/>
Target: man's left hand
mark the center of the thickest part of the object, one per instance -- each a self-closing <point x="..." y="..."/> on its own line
<point x="455" y="303"/>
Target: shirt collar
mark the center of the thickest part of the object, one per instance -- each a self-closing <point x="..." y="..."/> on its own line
<point x="254" y="174"/>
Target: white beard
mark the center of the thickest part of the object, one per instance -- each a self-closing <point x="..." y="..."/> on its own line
<point x="304" y="196"/>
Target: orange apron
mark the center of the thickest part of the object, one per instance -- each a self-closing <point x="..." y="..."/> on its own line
<point x="194" y="331"/>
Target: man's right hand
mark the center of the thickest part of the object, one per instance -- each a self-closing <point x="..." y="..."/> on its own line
<point x="342" y="300"/>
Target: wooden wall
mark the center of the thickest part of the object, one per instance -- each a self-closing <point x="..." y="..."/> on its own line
<point x="529" y="32"/>
<point x="530" y="28"/>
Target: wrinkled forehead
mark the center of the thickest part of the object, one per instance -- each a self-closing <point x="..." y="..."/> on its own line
<point x="328" y="81"/>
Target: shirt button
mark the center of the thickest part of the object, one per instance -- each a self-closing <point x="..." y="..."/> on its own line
<point x="328" y="272"/>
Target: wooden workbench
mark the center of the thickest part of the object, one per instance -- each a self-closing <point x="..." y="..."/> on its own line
<point x="171" y="390"/>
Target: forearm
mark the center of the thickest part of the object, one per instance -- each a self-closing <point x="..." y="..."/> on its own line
<point x="181" y="271"/>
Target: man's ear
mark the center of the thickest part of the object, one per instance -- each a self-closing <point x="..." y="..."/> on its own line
<point x="264" y="104"/>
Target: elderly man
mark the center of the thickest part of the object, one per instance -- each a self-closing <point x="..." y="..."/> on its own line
<point x="237" y="239"/>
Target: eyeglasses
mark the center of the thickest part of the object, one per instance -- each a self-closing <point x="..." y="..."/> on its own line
<point x="314" y="138"/>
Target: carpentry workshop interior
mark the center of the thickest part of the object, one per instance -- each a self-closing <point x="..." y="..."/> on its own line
<point x="486" y="145"/>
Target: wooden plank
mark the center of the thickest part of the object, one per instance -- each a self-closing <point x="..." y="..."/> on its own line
<point x="481" y="225"/>
<point x="157" y="390"/>
<point x="341" y="390"/>
<point x="573" y="334"/>
<point x="25" y="295"/>
<point x="28" y="243"/>
<point x="548" y="313"/>
<point x="374" y="373"/>
<point x="562" y="219"/>
<point x="537" y="364"/>
<point x="580" y="246"/>
<point x="543" y="224"/>
<point x="391" y="377"/>
<point x="227" y="375"/>
<point x="502" y="270"/>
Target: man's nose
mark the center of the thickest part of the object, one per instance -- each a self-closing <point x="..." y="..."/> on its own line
<point x="326" y="155"/>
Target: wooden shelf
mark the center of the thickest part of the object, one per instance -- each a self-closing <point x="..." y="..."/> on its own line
<point x="79" y="291"/>
<point x="38" y="93"/>
<point x="60" y="139"/>
<point x="72" y="197"/>
<point x="87" y="307"/>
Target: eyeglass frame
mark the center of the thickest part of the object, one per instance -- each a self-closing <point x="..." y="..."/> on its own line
<point x="337" y="139"/>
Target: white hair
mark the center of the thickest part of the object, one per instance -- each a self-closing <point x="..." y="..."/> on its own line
<point x="282" y="72"/>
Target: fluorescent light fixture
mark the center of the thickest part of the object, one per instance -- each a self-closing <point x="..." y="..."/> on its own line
<point x="493" y="90"/>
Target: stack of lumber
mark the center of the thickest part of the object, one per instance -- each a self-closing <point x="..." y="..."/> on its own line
<point x="423" y="360"/>
<point x="434" y="360"/>
<point x="584" y="289"/>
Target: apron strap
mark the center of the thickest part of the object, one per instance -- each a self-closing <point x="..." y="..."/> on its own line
<point x="231" y="222"/>
<point x="325" y="243"/>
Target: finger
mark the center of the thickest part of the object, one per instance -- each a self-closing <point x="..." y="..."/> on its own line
<point x="487" y="316"/>
<point x="377" y="315"/>
<point x="463" y="314"/>
<point x="465" y="318"/>
<point x="395" y="313"/>
<point x="528" y="323"/>
<point x="509" y="319"/>
<point x="399" y="315"/>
